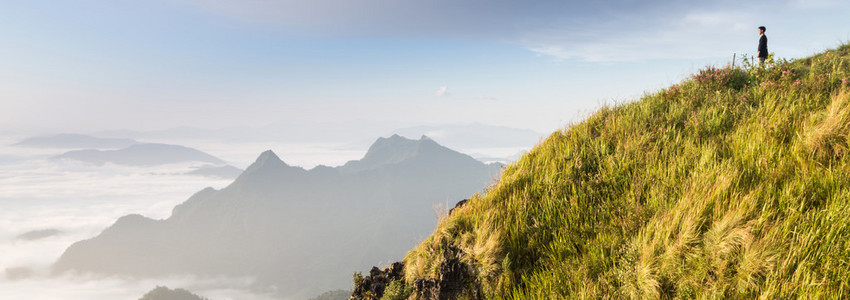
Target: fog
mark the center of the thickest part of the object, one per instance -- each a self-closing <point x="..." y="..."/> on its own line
<point x="87" y="287"/>
<point x="79" y="200"/>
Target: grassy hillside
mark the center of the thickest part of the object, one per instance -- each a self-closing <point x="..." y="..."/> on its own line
<point x="733" y="183"/>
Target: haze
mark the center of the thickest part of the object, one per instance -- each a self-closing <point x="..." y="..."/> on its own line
<point x="317" y="82"/>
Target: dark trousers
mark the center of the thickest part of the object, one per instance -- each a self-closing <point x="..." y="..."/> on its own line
<point x="761" y="60"/>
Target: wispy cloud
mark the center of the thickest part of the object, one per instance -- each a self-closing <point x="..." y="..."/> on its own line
<point x="688" y="35"/>
<point x="442" y="91"/>
<point x="619" y="30"/>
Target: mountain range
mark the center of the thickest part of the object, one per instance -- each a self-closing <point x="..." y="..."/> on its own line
<point x="455" y="136"/>
<point x="297" y="232"/>
<point x="147" y="154"/>
<point x="475" y="135"/>
<point x="75" y="141"/>
<point x="225" y="172"/>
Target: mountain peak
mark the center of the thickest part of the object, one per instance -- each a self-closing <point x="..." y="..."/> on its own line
<point x="396" y="149"/>
<point x="396" y="140"/>
<point x="267" y="160"/>
<point x="268" y="156"/>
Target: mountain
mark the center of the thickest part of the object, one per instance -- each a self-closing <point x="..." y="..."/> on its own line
<point x="141" y="155"/>
<point x="299" y="232"/>
<point x="75" y="141"/>
<point x="289" y="131"/>
<point x="333" y="295"/>
<point x="732" y="184"/>
<point x="182" y="133"/>
<point x="38" y="234"/>
<point x="164" y="293"/>
<point x="475" y="135"/>
<point x="226" y="171"/>
<point x="400" y="152"/>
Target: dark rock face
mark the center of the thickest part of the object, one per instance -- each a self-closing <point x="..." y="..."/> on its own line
<point x="426" y="288"/>
<point x="456" y="278"/>
<point x="373" y="286"/>
<point x="459" y="204"/>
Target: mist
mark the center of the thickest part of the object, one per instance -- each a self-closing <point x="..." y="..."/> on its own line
<point x="79" y="200"/>
<point x="48" y="204"/>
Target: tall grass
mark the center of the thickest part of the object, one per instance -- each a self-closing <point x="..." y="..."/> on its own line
<point x="734" y="183"/>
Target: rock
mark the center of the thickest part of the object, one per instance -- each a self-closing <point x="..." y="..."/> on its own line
<point x="460" y="203"/>
<point x="456" y="278"/>
<point x="426" y="288"/>
<point x="374" y="285"/>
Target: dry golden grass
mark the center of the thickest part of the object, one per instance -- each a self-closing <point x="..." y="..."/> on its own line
<point x="732" y="184"/>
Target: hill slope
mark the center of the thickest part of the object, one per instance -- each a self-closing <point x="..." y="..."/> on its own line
<point x="733" y="183"/>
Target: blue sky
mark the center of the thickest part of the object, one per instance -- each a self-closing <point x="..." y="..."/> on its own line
<point x="90" y="65"/>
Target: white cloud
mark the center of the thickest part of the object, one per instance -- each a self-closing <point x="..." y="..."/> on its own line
<point x="612" y="31"/>
<point x="80" y="201"/>
<point x="97" y="288"/>
<point x="678" y="36"/>
<point x="442" y="91"/>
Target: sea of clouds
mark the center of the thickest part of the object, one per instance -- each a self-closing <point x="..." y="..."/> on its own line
<point x="80" y="200"/>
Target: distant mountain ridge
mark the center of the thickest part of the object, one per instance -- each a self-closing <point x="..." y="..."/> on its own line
<point x="454" y="136"/>
<point x="293" y="229"/>
<point x="226" y="171"/>
<point x="397" y="149"/>
<point x="142" y="155"/>
<point x="475" y="135"/>
<point x="79" y="141"/>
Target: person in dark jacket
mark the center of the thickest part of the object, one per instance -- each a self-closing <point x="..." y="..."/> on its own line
<point x="762" y="51"/>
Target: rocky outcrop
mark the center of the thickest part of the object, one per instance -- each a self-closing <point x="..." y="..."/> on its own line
<point x="456" y="279"/>
<point x="459" y="204"/>
<point x="374" y="285"/>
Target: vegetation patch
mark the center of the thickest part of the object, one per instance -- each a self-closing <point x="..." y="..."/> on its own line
<point x="731" y="184"/>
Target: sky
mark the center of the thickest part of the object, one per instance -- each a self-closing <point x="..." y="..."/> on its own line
<point x="89" y="65"/>
<point x="352" y="66"/>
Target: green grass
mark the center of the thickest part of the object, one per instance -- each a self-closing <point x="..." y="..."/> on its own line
<point x="734" y="183"/>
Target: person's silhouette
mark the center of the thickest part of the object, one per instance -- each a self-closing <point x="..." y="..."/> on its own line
<point x="762" y="51"/>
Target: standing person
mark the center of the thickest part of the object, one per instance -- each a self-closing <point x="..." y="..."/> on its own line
<point x="762" y="51"/>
